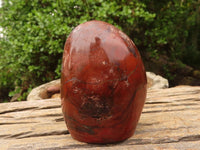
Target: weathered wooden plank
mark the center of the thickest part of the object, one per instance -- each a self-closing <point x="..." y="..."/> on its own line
<point x="29" y="105"/>
<point x="66" y="142"/>
<point x="170" y="120"/>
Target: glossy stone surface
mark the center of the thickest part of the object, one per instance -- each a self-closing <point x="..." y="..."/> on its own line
<point x="103" y="84"/>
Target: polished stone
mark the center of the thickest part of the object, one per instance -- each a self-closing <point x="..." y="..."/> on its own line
<point x="103" y="83"/>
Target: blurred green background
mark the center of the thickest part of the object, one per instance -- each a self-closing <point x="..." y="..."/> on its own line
<point x="167" y="34"/>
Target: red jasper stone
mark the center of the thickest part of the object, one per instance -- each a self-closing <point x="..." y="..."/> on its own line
<point x="103" y="84"/>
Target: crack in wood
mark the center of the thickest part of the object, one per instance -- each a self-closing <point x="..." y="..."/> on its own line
<point x="4" y="135"/>
<point x="59" y="119"/>
<point x="196" y="99"/>
<point x="19" y="134"/>
<point x="161" y="141"/>
<point x="164" y="129"/>
<point x="147" y="124"/>
<point x="11" y="123"/>
<point x="169" y="105"/>
<point x="29" y="135"/>
<point x="47" y="115"/>
<point x="64" y="132"/>
<point x="170" y="110"/>
<point x="190" y="138"/>
<point x="187" y="99"/>
<point x="17" y="110"/>
<point x="150" y="102"/>
<point x="178" y="93"/>
<point x="50" y="107"/>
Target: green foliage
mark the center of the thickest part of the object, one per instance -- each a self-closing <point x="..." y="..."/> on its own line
<point x="35" y="32"/>
<point x="176" y="30"/>
<point x="168" y="74"/>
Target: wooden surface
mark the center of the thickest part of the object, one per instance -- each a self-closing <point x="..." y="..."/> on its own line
<point x="170" y="121"/>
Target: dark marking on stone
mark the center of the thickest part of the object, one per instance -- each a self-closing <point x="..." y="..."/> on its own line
<point x="98" y="109"/>
<point x="122" y="78"/>
<point x="95" y="45"/>
<point x="84" y="128"/>
<point x="75" y="125"/>
<point x="109" y="29"/>
<point x="132" y="50"/>
<point x="126" y="112"/>
<point x="128" y="42"/>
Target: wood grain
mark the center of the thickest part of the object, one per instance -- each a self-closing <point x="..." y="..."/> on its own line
<point x="170" y="121"/>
